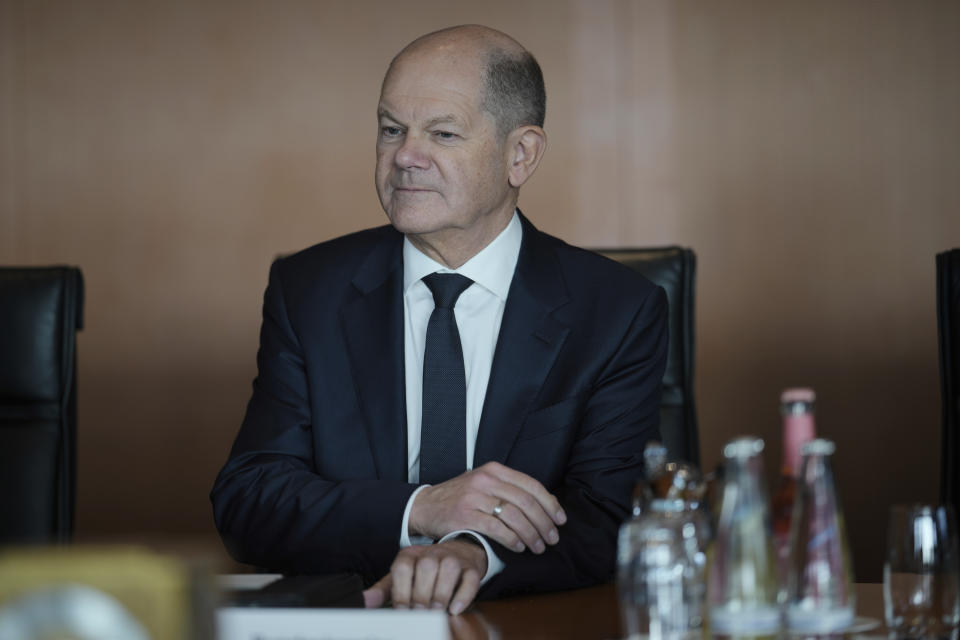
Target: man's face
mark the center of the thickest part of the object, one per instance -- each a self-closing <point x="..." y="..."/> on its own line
<point x="441" y="165"/>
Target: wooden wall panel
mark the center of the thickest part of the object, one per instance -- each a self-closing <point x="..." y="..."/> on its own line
<point x="807" y="151"/>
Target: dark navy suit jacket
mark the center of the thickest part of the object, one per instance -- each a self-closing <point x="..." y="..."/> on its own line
<point x="317" y="478"/>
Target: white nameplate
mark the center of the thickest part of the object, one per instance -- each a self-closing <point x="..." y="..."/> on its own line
<point x="250" y="623"/>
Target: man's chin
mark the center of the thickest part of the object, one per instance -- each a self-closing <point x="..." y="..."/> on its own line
<point x="414" y="222"/>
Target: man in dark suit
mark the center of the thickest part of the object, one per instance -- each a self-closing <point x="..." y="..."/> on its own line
<point x="502" y="463"/>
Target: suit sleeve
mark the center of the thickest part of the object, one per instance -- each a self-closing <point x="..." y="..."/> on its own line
<point x="620" y="415"/>
<point x="270" y="506"/>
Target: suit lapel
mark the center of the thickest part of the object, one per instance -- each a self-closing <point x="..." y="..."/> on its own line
<point x="529" y="341"/>
<point x="373" y="326"/>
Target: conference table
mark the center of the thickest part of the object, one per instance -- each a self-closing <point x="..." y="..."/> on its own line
<point x="584" y="614"/>
<point x="590" y="613"/>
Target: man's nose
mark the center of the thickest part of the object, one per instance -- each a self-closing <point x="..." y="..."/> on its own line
<point x="413" y="153"/>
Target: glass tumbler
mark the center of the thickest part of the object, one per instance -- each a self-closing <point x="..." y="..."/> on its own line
<point x="921" y="584"/>
<point x="655" y="575"/>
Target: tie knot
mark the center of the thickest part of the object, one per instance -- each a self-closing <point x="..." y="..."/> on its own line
<point x="446" y="288"/>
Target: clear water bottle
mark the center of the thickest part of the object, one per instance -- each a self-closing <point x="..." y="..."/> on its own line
<point x="820" y="596"/>
<point x="742" y="592"/>
<point x="656" y="576"/>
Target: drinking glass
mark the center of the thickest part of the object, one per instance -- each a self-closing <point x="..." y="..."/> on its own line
<point x="656" y="579"/>
<point x="921" y="584"/>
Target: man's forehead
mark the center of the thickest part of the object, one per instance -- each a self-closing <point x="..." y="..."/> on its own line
<point x="436" y="81"/>
<point x="441" y="65"/>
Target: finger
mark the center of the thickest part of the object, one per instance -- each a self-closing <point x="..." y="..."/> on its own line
<point x="466" y="592"/>
<point x="530" y="510"/>
<point x="496" y="529"/>
<point x="447" y="579"/>
<point x="517" y="521"/>
<point x="376" y="596"/>
<point x="401" y="573"/>
<point x="548" y="502"/>
<point x="424" y="579"/>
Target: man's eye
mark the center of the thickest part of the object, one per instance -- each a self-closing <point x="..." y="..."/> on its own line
<point x="445" y="135"/>
<point x="390" y="132"/>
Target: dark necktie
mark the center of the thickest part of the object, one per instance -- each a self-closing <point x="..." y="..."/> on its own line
<point x="443" y="427"/>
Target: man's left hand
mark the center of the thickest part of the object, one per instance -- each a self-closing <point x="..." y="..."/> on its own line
<point x="438" y="576"/>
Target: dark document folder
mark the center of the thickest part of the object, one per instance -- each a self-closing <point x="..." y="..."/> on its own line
<point x="341" y="590"/>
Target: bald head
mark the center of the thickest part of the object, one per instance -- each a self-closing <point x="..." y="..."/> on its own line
<point x="510" y="80"/>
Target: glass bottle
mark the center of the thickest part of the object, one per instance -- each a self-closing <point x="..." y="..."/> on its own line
<point x="796" y="408"/>
<point x="820" y="596"/>
<point x="742" y="591"/>
<point x="654" y="459"/>
<point x="654" y="466"/>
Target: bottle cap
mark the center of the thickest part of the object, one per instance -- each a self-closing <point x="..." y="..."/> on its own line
<point x="743" y="447"/>
<point x="798" y="394"/>
<point x="654" y="454"/>
<point x="819" y="447"/>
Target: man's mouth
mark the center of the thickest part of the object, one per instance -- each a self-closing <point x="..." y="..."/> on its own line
<point x="412" y="189"/>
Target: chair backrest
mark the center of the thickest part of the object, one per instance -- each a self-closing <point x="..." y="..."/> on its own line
<point x="41" y="309"/>
<point x="674" y="269"/>
<point x="948" y="332"/>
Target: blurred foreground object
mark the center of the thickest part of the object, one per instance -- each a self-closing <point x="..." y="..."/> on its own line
<point x="658" y="583"/>
<point x="743" y="575"/>
<point x="661" y="551"/>
<point x="820" y="595"/>
<point x="921" y="576"/>
<point x="666" y="480"/>
<point x="102" y="593"/>
<point x="796" y="409"/>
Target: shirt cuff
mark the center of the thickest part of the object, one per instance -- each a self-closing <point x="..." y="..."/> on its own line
<point x="406" y="540"/>
<point x="494" y="564"/>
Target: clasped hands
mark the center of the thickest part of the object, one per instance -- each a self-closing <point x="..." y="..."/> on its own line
<point x="493" y="500"/>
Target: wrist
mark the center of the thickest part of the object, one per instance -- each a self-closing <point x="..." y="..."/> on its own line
<point x="415" y="524"/>
<point x="467" y="537"/>
<point x="493" y="564"/>
<point x="473" y="548"/>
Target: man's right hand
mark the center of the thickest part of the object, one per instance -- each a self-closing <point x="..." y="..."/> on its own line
<point x="529" y="514"/>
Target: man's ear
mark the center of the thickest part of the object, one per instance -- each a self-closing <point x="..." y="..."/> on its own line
<point x="525" y="147"/>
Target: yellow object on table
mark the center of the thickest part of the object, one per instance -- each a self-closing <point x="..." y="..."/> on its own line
<point x="82" y="593"/>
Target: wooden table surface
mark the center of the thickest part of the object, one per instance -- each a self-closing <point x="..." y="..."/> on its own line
<point x="584" y="614"/>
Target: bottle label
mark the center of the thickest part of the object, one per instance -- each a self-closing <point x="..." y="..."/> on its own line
<point x="798" y="430"/>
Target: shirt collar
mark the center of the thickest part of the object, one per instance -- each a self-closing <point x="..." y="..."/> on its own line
<point x="492" y="268"/>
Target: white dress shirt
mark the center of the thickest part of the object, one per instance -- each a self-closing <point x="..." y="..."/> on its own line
<point x="478" y="311"/>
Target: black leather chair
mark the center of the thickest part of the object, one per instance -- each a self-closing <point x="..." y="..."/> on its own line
<point x="948" y="331"/>
<point x="674" y="269"/>
<point x="41" y="309"/>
